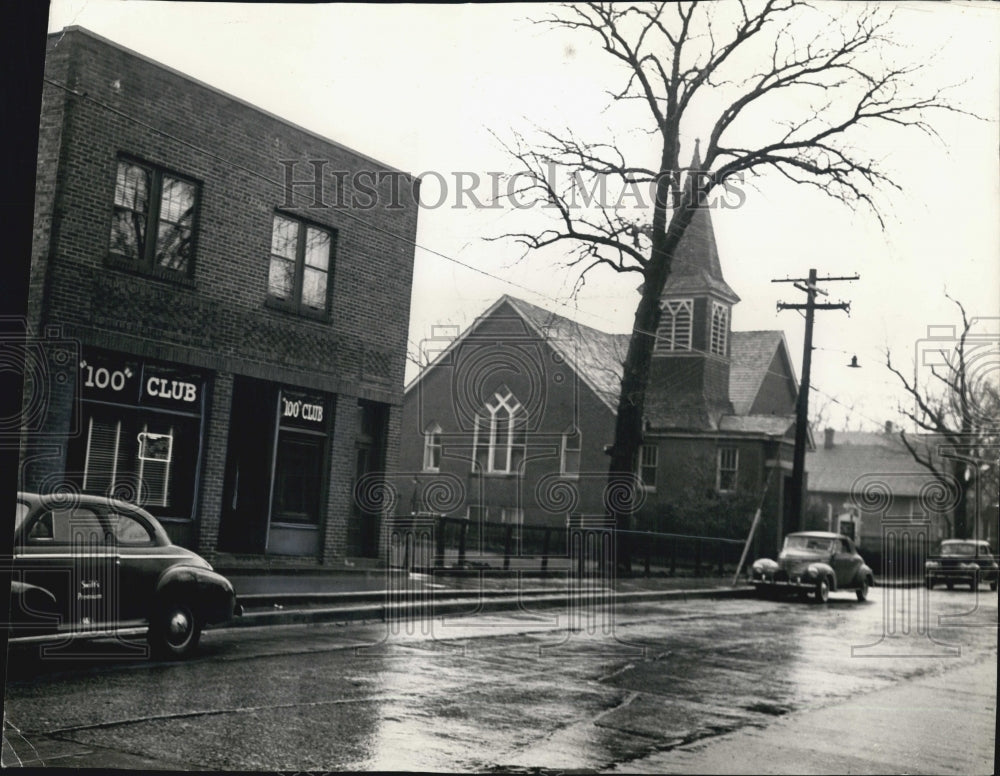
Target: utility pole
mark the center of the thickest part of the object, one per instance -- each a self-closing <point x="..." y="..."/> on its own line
<point x="802" y="406"/>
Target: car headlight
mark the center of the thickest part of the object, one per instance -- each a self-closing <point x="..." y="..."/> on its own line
<point x="932" y="564"/>
<point x="968" y="565"/>
<point x="764" y="564"/>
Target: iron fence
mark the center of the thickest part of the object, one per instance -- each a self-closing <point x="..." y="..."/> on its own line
<point x="440" y="542"/>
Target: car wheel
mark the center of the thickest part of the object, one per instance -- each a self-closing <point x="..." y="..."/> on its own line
<point x="174" y="630"/>
<point x="822" y="592"/>
<point x="862" y="591"/>
<point x="974" y="584"/>
<point x="929" y="583"/>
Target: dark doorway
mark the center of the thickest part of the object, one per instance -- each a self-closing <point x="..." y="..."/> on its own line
<point x="247" y="488"/>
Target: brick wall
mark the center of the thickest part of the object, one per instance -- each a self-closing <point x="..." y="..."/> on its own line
<point x="235" y="152"/>
<point x="102" y="102"/>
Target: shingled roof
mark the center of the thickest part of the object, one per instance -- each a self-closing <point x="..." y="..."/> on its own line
<point x="696" y="266"/>
<point x="751" y="354"/>
<point x="861" y="454"/>
<point x="597" y="356"/>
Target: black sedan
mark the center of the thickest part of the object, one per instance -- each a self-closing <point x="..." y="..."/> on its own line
<point x="962" y="561"/>
<point x="89" y="565"/>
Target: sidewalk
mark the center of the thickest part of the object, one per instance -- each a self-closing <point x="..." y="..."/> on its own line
<point x="941" y="724"/>
<point x="282" y="597"/>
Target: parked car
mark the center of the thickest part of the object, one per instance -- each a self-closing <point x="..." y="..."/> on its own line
<point x="966" y="561"/>
<point x="86" y="565"/>
<point x="814" y="563"/>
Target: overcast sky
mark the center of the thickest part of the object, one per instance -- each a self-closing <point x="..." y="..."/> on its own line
<point x="430" y="89"/>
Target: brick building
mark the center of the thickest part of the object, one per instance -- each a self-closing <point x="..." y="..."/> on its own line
<point x="510" y="421"/>
<point x="221" y="300"/>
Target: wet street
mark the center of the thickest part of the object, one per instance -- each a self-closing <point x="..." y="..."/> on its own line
<point x="504" y="691"/>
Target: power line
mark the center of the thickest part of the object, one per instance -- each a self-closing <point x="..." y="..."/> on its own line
<point x="342" y="211"/>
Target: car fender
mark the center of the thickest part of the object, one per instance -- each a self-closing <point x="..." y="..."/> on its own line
<point x="824" y="570"/>
<point x="865" y="572"/>
<point x="211" y="594"/>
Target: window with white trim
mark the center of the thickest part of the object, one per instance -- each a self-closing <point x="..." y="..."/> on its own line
<point x="674" y="331"/>
<point x="720" y="329"/>
<point x="500" y="434"/>
<point x="727" y="468"/>
<point x="569" y="464"/>
<point x="648" y="459"/>
<point x="513" y="516"/>
<point x="432" y="448"/>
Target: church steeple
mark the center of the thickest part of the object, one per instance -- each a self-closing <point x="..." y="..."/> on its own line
<point x="690" y="371"/>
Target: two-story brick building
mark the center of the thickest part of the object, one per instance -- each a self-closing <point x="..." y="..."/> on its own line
<point x="221" y="302"/>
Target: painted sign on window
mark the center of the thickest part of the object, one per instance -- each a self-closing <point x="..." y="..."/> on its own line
<point x="120" y="379"/>
<point x="302" y="410"/>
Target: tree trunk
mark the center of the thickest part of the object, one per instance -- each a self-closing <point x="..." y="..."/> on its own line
<point x="635" y="370"/>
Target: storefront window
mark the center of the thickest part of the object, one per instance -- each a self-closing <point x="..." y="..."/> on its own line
<point x="141" y="433"/>
<point x="298" y="478"/>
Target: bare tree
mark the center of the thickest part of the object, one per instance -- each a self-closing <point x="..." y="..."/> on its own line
<point x="678" y="61"/>
<point x="959" y="407"/>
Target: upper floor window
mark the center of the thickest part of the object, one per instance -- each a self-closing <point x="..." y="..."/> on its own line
<point x="569" y="465"/>
<point x="432" y="448"/>
<point x="500" y="435"/>
<point x="299" y="273"/>
<point x="720" y="329"/>
<point x="727" y="469"/>
<point x="674" y="332"/>
<point x="153" y="223"/>
<point x="648" y="460"/>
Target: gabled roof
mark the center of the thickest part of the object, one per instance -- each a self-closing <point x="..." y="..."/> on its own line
<point x="861" y="454"/>
<point x="596" y="356"/>
<point x="751" y="354"/>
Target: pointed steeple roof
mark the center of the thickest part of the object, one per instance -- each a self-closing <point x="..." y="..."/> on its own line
<point x="696" y="269"/>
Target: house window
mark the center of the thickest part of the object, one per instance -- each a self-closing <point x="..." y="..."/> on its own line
<point x="153" y="223"/>
<point x="432" y="448"/>
<point x="728" y="466"/>
<point x="515" y="517"/>
<point x="648" y="457"/>
<point x="674" y="332"/>
<point x="299" y="274"/>
<point x="720" y="328"/>
<point x="500" y="434"/>
<point x="570" y="461"/>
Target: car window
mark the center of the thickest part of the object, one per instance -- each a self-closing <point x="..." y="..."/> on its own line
<point x="79" y="527"/>
<point x="958" y="548"/>
<point x="130" y="531"/>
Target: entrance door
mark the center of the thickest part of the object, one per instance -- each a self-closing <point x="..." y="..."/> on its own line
<point x="247" y="492"/>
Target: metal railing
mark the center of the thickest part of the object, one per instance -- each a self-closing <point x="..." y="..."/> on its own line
<point x="426" y="541"/>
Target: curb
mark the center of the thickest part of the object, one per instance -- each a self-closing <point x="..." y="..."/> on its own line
<point x="354" y="607"/>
